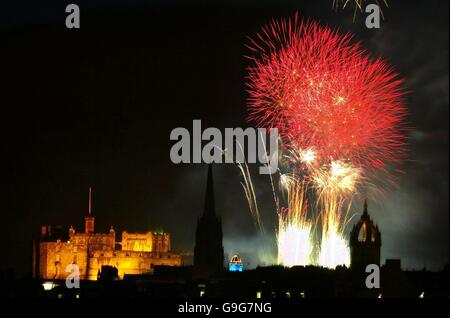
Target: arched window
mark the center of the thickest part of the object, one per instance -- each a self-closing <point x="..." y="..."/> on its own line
<point x="362" y="237"/>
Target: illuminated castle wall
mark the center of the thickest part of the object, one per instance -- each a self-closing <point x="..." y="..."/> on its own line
<point x="137" y="253"/>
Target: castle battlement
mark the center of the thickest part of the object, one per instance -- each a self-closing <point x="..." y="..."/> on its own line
<point x="136" y="253"/>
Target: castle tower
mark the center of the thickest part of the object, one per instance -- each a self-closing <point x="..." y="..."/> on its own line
<point x="365" y="242"/>
<point x="89" y="220"/>
<point x="208" y="251"/>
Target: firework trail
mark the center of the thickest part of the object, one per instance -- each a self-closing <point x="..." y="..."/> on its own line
<point x="334" y="185"/>
<point x="295" y="230"/>
<point x="247" y="186"/>
<point x="340" y="115"/>
<point x="249" y="191"/>
<point x="359" y="4"/>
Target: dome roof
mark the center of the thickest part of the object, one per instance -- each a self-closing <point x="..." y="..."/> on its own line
<point x="236" y="259"/>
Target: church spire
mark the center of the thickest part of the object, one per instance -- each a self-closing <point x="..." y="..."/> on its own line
<point x="208" y="250"/>
<point x="365" y="242"/>
<point x="365" y="212"/>
<point x="209" y="198"/>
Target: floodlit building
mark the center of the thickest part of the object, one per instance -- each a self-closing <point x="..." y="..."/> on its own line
<point x="235" y="264"/>
<point x="136" y="253"/>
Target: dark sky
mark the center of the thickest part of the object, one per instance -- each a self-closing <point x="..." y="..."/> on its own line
<point x="95" y="106"/>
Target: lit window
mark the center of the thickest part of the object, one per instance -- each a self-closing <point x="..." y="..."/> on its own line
<point x="258" y="294"/>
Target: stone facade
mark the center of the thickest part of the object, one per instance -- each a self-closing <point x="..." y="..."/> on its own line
<point x="137" y="253"/>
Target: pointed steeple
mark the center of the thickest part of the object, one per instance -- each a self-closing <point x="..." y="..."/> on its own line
<point x="365" y="212"/>
<point x="365" y="242"/>
<point x="208" y="250"/>
<point x="209" y="198"/>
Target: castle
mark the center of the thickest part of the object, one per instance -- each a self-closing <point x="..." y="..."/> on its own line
<point x="139" y="253"/>
<point x="136" y="253"/>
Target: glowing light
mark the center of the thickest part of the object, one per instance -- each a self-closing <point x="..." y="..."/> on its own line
<point x="340" y="116"/>
<point x="235" y="264"/>
<point x="49" y="285"/>
<point x="334" y="250"/>
<point x="334" y="184"/>
<point x="339" y="177"/>
<point x="340" y="100"/>
<point x="308" y="156"/>
<point x="294" y="245"/>
<point x="294" y="240"/>
<point x="342" y="103"/>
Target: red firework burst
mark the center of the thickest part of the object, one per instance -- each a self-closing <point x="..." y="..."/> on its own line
<point x="326" y="93"/>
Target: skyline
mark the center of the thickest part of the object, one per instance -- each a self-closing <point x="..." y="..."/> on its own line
<point x="85" y="117"/>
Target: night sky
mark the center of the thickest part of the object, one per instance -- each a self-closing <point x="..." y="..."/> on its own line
<point x="95" y="107"/>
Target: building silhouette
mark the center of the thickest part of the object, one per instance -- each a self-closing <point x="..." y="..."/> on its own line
<point x="208" y="251"/>
<point x="121" y="275"/>
<point x="365" y="242"/>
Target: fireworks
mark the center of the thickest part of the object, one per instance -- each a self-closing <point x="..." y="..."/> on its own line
<point x="250" y="195"/>
<point x="294" y="230"/>
<point x="334" y="250"/>
<point x="307" y="156"/>
<point x="325" y="93"/>
<point x="358" y="4"/>
<point x="294" y="244"/>
<point x="337" y="178"/>
<point x="340" y="114"/>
